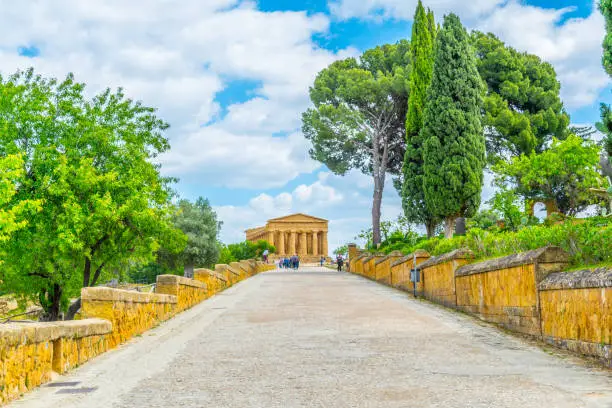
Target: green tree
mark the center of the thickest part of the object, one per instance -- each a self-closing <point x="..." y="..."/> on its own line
<point x="342" y="250"/>
<point x="606" y="9"/>
<point x="454" y="145"/>
<point x="359" y="114"/>
<point x="422" y="53"/>
<point x="89" y="161"/>
<point x="15" y="217"/>
<point x="522" y="107"/>
<point x="199" y="223"/>
<point x="246" y="250"/>
<point x="605" y="126"/>
<point x="563" y="173"/>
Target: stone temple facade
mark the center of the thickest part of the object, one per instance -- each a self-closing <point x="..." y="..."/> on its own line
<point x="299" y="234"/>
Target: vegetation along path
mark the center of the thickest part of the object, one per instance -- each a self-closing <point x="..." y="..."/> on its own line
<point x="317" y="338"/>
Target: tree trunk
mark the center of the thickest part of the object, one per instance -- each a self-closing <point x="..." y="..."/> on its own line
<point x="73" y="309"/>
<point x="449" y="226"/>
<point x="188" y="270"/>
<point x="430" y="226"/>
<point x="54" y="302"/>
<point x="376" y="205"/>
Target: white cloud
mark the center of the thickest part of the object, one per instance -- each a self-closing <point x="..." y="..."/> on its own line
<point x="178" y="59"/>
<point x="404" y="9"/>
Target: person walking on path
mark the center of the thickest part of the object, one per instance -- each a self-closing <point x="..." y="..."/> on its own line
<point x="340" y="262"/>
<point x="322" y="261"/>
<point x="265" y="255"/>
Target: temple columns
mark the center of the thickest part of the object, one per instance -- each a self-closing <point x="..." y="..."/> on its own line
<point x="281" y="243"/>
<point x="271" y="237"/>
<point x="303" y="249"/>
<point x="292" y="242"/>
<point x="324" y="248"/>
<point x="315" y="242"/>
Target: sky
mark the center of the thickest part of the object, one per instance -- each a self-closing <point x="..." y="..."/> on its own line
<point x="232" y="76"/>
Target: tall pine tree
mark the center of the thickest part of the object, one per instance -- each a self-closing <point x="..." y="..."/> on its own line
<point x="454" y="143"/>
<point x="605" y="6"/>
<point x="422" y="49"/>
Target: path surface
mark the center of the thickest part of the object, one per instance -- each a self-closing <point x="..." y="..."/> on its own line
<point x="317" y="338"/>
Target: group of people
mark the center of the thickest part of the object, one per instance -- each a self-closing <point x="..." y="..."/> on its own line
<point x="289" y="263"/>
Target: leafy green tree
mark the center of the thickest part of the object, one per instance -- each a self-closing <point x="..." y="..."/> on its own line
<point x="246" y="250"/>
<point x="484" y="219"/>
<point x="89" y="161"/>
<point x="15" y="217"/>
<point x="605" y="126"/>
<point x="342" y="250"/>
<point x="522" y="108"/>
<point x="564" y="173"/>
<point x="506" y="202"/>
<point x="199" y="223"/>
<point x="422" y="52"/>
<point x="606" y="9"/>
<point x="454" y="145"/>
<point x="359" y="114"/>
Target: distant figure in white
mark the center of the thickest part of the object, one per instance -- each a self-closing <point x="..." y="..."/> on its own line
<point x="265" y="255"/>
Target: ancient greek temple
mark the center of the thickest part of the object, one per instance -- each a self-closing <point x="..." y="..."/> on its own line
<point x="299" y="234"/>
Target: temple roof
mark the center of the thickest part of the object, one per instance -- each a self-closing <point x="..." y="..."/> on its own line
<point x="297" y="217"/>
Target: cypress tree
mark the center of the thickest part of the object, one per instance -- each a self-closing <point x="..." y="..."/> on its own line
<point x="454" y="143"/>
<point x="422" y="49"/>
<point x="605" y="6"/>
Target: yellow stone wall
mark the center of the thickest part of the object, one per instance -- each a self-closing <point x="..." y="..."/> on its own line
<point x="188" y="292"/>
<point x="438" y="282"/>
<point x="400" y="274"/>
<point x="579" y="320"/>
<point x="131" y="313"/>
<point x="214" y="282"/>
<point x="383" y="268"/>
<point x="506" y="296"/>
<point x="29" y="353"/>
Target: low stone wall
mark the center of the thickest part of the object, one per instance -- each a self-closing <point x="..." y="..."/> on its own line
<point x="382" y="267"/>
<point x="188" y="292"/>
<point x="130" y="312"/>
<point x="30" y="352"/>
<point x="356" y="265"/>
<point x="505" y="290"/>
<point x="240" y="268"/>
<point x="438" y="276"/>
<point x="214" y="281"/>
<point x="576" y="312"/>
<point x="400" y="271"/>
<point x="369" y="265"/>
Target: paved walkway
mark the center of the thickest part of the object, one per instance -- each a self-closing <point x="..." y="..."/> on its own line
<point x="317" y="338"/>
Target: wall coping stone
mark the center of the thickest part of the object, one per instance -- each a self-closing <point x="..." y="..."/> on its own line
<point x="224" y="267"/>
<point x="420" y="253"/>
<point x="119" y="295"/>
<point x="461" y="253"/>
<point x="583" y="279"/>
<point x="547" y="254"/>
<point x="361" y="256"/>
<point x="372" y="256"/>
<point x="179" y="280"/>
<point x="210" y="272"/>
<point x="12" y="334"/>
<point x="394" y="254"/>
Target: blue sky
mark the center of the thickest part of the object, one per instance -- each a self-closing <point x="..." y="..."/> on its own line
<point x="232" y="77"/>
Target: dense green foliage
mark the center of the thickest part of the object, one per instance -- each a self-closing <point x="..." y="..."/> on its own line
<point x="422" y="51"/>
<point x="358" y="118"/>
<point x="523" y="109"/>
<point x="244" y="250"/>
<point x="199" y="223"/>
<point x="454" y="145"/>
<point x="89" y="163"/>
<point x="14" y="217"/>
<point x="587" y="241"/>
<point x="606" y="9"/>
<point x="564" y="173"/>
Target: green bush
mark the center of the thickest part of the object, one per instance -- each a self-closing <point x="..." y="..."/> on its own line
<point x="588" y="241"/>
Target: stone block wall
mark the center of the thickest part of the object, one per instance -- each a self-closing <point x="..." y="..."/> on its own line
<point x="576" y="312"/>
<point x="382" y="267"/>
<point x="130" y="312"/>
<point x="214" y="281"/>
<point x="29" y="353"/>
<point x="438" y="276"/>
<point x="356" y="264"/>
<point x="505" y="290"/>
<point x="400" y="271"/>
<point x="188" y="292"/>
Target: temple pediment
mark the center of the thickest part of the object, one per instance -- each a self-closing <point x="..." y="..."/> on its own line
<point x="299" y="217"/>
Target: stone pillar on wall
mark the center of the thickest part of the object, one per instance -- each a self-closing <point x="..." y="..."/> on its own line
<point x="281" y="243"/>
<point x="292" y="240"/>
<point x="324" y="249"/>
<point x="315" y="243"/>
<point x="303" y="250"/>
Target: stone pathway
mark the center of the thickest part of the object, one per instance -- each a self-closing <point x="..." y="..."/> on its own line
<point x="317" y="338"/>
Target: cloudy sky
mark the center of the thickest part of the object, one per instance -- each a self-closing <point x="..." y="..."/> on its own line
<point x="232" y="78"/>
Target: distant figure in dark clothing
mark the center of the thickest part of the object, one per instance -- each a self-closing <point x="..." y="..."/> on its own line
<point x="340" y="262"/>
<point x="322" y="261"/>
